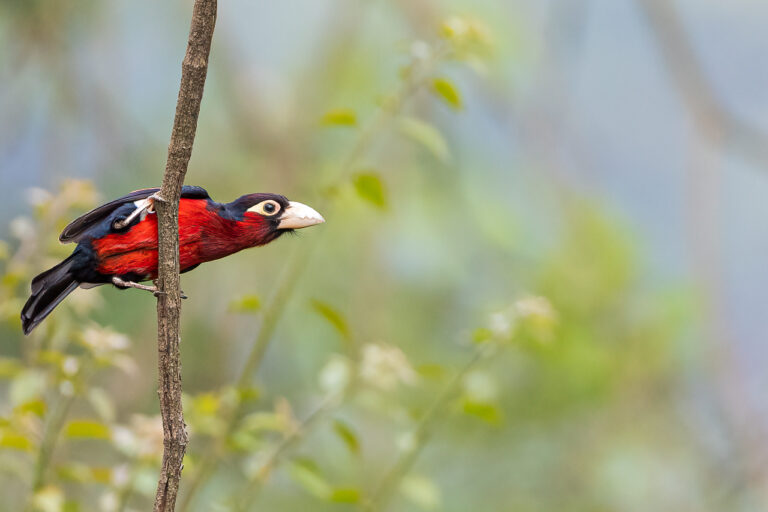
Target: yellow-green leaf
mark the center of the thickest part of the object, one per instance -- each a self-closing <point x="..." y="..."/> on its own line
<point x="340" y="117"/>
<point x="345" y="495"/>
<point x="16" y="441"/>
<point x="206" y="404"/>
<point x="487" y="412"/>
<point x="36" y="407"/>
<point x="370" y="188"/>
<point x="87" y="429"/>
<point x="332" y="315"/>
<point x="246" y="304"/>
<point x="347" y="435"/>
<point x="481" y="335"/>
<point x="447" y="91"/>
<point x="426" y="135"/>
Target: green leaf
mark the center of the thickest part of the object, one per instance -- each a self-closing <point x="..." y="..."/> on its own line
<point x="307" y="475"/>
<point x="36" y="407"/>
<point x="345" y="495"/>
<point x="490" y="413"/>
<point x="426" y="135"/>
<point x="332" y="316"/>
<point x="340" y="117"/>
<point x="347" y="435"/>
<point x="481" y="335"/>
<point x="206" y="404"/>
<point x="370" y="188"/>
<point x="447" y="91"/>
<point x="249" y="394"/>
<point x="246" y="304"/>
<point x="16" y="441"/>
<point x="87" y="429"/>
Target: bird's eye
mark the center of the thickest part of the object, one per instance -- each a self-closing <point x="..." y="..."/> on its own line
<point x="267" y="208"/>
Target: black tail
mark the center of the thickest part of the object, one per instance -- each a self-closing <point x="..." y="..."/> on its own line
<point x="48" y="289"/>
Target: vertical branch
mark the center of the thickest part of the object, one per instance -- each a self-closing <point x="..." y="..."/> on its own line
<point x="194" y="70"/>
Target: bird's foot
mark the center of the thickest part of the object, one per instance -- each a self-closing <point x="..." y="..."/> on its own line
<point x="180" y="291"/>
<point x="122" y="283"/>
<point x="157" y="197"/>
<point x="142" y="208"/>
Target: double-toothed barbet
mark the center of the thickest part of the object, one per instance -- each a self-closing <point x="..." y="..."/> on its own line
<point x="117" y="242"/>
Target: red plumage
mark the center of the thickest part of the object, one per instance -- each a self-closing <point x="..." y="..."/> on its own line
<point x="117" y="242"/>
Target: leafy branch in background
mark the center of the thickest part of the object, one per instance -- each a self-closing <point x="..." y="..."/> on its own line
<point x="56" y="378"/>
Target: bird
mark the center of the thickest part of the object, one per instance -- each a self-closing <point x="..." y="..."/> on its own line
<point x="117" y="242"/>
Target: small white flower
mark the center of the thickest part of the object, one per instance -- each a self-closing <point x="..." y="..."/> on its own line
<point x="456" y="26"/>
<point x="103" y="340"/>
<point x="385" y="366"/>
<point x="121" y="475"/>
<point x="70" y="366"/>
<point x="480" y="387"/>
<point x="108" y="502"/>
<point x="142" y="439"/>
<point x="503" y="323"/>
<point x="37" y="196"/>
<point x="534" y="306"/>
<point x="66" y="388"/>
<point x="421" y="50"/>
<point x="49" y="499"/>
<point x="22" y="227"/>
<point x="335" y="375"/>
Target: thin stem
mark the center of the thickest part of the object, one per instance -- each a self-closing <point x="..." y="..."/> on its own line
<point x="50" y="438"/>
<point x="421" y="434"/>
<point x="289" y="441"/>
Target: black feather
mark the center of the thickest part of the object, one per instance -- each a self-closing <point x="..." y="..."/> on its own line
<point x="48" y="289"/>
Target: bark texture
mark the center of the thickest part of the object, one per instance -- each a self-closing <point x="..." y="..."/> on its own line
<point x="194" y="71"/>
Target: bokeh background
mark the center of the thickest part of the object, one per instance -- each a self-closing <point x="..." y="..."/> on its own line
<point x="541" y="285"/>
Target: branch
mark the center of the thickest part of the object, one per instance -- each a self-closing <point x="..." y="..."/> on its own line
<point x="193" y="72"/>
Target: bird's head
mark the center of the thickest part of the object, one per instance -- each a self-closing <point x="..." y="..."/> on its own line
<point x="270" y="215"/>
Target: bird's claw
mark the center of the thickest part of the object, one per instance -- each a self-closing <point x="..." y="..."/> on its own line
<point x="157" y="197"/>
<point x="158" y="292"/>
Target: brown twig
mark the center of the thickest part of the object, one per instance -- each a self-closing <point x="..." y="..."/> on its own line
<point x="194" y="70"/>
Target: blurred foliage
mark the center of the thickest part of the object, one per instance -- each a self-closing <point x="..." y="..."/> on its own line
<point x="431" y="356"/>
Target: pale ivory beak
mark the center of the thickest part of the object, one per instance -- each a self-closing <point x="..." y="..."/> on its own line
<point x="298" y="216"/>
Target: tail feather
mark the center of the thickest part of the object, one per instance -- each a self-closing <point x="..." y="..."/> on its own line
<point x="48" y="289"/>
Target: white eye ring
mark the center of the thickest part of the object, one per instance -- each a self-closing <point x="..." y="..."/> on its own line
<point x="267" y="208"/>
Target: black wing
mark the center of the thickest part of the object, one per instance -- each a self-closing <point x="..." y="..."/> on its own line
<point x="74" y="231"/>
